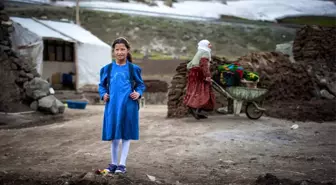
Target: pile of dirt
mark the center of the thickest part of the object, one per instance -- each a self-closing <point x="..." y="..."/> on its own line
<point x="292" y="94"/>
<point x="270" y="179"/>
<point x="286" y="81"/>
<point x="302" y="89"/>
<point x="315" y="48"/>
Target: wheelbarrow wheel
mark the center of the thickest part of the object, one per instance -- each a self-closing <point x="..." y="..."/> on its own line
<point x="252" y="111"/>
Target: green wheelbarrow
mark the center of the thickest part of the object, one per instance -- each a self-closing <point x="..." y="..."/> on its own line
<point x="253" y="96"/>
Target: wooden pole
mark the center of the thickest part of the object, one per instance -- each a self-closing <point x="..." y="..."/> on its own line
<point x="77" y="13"/>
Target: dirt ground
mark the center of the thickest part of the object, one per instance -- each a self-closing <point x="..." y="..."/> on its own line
<point x="315" y="110"/>
<point x="220" y="150"/>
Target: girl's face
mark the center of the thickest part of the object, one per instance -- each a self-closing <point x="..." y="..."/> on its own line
<point x="120" y="51"/>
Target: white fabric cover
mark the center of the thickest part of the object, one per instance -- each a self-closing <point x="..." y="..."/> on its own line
<point x="92" y="53"/>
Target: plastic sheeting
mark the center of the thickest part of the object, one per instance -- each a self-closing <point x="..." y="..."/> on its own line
<point x="28" y="45"/>
<point x="286" y="48"/>
<point x="92" y="53"/>
<point x="74" y="32"/>
<point x="39" y="29"/>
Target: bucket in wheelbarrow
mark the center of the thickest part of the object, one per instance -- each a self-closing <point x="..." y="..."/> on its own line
<point x="227" y="79"/>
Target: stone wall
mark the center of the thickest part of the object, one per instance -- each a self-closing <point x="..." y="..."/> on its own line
<point x="12" y="74"/>
<point x="22" y="89"/>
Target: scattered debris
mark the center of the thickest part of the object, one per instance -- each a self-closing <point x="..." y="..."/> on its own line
<point x="89" y="176"/>
<point x="66" y="175"/>
<point x="152" y="178"/>
<point x="295" y="126"/>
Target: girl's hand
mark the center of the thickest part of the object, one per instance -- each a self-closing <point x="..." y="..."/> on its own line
<point x="134" y="95"/>
<point x="208" y="79"/>
<point x="106" y="97"/>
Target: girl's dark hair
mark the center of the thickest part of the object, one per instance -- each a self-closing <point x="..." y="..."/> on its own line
<point x="122" y="40"/>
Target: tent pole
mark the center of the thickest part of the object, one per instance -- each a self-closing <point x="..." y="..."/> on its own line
<point x="76" y="66"/>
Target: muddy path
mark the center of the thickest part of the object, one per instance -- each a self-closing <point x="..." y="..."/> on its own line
<point x="219" y="150"/>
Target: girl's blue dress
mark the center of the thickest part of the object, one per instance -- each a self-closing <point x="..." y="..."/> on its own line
<point x="121" y="115"/>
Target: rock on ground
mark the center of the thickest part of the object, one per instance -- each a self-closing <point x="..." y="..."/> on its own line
<point x="51" y="105"/>
<point x="37" y="88"/>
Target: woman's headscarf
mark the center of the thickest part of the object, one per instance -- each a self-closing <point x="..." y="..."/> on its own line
<point x="203" y="50"/>
<point x="204" y="45"/>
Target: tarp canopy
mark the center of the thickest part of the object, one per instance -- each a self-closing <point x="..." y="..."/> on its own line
<point x="91" y="52"/>
<point x="29" y="45"/>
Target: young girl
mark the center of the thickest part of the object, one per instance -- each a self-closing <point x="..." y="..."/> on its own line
<point x="121" y="115"/>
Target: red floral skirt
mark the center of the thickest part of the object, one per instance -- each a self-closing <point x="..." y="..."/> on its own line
<point x="199" y="92"/>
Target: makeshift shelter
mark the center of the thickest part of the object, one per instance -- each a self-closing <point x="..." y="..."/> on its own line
<point x="65" y="54"/>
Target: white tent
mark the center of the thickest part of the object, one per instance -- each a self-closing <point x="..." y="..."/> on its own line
<point x="90" y="53"/>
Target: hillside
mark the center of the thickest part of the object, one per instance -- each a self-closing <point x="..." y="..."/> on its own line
<point x="165" y="38"/>
<point x="309" y="20"/>
<point x="205" y="9"/>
